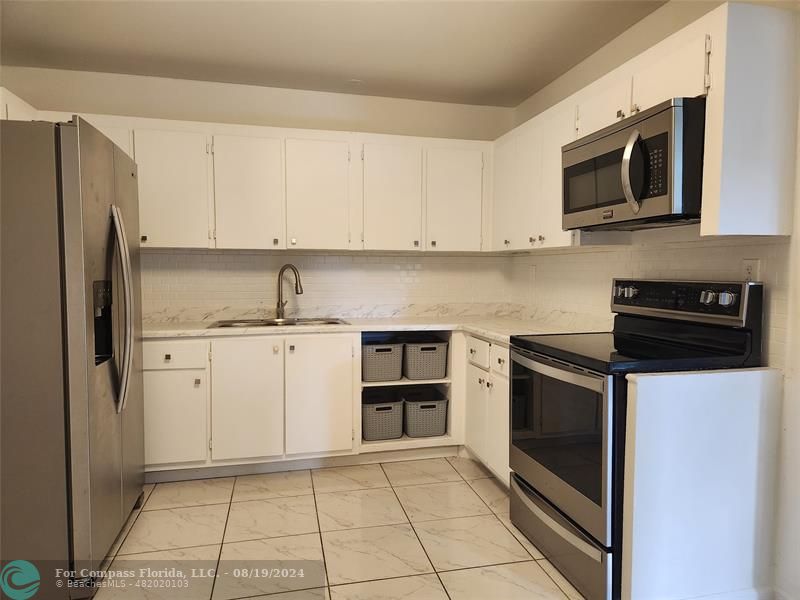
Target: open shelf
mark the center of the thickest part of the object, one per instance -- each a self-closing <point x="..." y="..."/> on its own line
<point x="403" y="381"/>
<point x="406" y="443"/>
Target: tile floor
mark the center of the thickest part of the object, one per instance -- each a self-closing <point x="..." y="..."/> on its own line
<point x="418" y="530"/>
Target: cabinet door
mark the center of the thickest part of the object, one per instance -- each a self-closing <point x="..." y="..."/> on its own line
<point x="558" y="129"/>
<point x="173" y="188"/>
<point x="525" y="218"/>
<point x="454" y="192"/>
<point x="679" y="73"/>
<point x="506" y="183"/>
<point x="248" y="192"/>
<point x="246" y="397"/>
<point x="175" y="411"/>
<point x="319" y="393"/>
<point x="602" y="106"/>
<point x="317" y="194"/>
<point x="476" y="411"/>
<point x="497" y="426"/>
<point x="392" y="197"/>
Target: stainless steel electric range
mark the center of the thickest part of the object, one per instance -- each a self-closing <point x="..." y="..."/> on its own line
<point x="568" y="411"/>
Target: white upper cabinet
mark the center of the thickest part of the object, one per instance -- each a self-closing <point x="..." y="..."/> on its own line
<point x="246" y="397"/>
<point x="506" y="183"/>
<point x="317" y="194"/>
<point x="173" y="188"/>
<point x="677" y="72"/>
<point x="319" y="393"/>
<point x="517" y="170"/>
<point x="557" y="130"/>
<point x="605" y="103"/>
<point x="454" y="199"/>
<point x="248" y="192"/>
<point x="392" y="196"/>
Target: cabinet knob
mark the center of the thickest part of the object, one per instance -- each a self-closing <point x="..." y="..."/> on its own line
<point x="635" y="109"/>
<point x="144" y="238"/>
<point x="275" y="349"/>
<point x="274" y="241"/>
<point x="168" y="357"/>
<point x="291" y="348"/>
<point x="620" y="114"/>
<point x="541" y="238"/>
<point x="294" y="241"/>
<point x="416" y="243"/>
<point x="489" y="385"/>
<point x="480" y="380"/>
<point x="506" y="242"/>
<point x="472" y="350"/>
<point x="197" y="381"/>
<point x="433" y="244"/>
<point x="501" y="361"/>
<point x="532" y="239"/>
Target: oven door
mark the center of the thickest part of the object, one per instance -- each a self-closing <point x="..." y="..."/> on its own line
<point x="561" y="427"/>
<point x="623" y="174"/>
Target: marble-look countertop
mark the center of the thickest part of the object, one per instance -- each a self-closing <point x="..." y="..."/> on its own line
<point x="494" y="329"/>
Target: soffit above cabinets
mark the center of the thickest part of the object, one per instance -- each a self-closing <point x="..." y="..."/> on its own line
<point x="483" y="53"/>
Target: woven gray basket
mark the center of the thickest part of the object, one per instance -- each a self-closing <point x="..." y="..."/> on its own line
<point x="425" y="413"/>
<point x="381" y="362"/>
<point x="425" y="361"/>
<point x="382" y="421"/>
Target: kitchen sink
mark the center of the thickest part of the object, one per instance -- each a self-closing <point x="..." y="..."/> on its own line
<point x="275" y="322"/>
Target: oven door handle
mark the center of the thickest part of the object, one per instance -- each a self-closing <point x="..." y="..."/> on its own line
<point x="556" y="523"/>
<point x="590" y="382"/>
<point x="627" y="188"/>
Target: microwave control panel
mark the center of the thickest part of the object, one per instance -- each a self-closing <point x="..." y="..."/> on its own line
<point x="656" y="155"/>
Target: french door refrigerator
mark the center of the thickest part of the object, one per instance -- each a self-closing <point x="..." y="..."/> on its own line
<point x="70" y="349"/>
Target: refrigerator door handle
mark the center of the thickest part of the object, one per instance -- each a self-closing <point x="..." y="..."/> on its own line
<point x="127" y="292"/>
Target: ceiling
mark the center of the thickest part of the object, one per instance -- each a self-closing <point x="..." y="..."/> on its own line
<point x="486" y="52"/>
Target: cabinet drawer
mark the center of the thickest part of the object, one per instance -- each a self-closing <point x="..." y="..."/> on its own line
<point x="499" y="360"/>
<point x="175" y="355"/>
<point x="478" y="352"/>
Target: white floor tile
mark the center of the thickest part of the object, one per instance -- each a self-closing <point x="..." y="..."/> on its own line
<point x="272" y="485"/>
<point x="342" y="479"/>
<point x="469" y="542"/>
<point x="272" y="517"/>
<point x="359" y="508"/>
<point x="440" y="501"/>
<point x="190" y="493"/>
<point x="419" y="587"/>
<point x="176" y="528"/>
<point x="519" y="581"/>
<point x="416" y="472"/>
<point x="356" y="555"/>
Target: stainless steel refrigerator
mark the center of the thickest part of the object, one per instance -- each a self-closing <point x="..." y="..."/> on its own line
<point x="71" y="409"/>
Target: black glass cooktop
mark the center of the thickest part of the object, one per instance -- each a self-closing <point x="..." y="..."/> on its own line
<point x="625" y="353"/>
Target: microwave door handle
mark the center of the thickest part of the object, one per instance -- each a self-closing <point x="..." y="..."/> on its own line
<point x="127" y="292"/>
<point x="627" y="189"/>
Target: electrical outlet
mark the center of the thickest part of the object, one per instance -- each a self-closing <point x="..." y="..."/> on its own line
<point x="751" y="269"/>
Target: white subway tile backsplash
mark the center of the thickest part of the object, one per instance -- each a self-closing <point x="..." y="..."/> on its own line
<point x="208" y="285"/>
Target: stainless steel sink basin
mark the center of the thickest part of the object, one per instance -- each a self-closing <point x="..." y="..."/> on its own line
<point x="275" y="322"/>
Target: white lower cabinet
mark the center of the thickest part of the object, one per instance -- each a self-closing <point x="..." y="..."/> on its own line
<point x="246" y="397"/>
<point x="319" y="393"/>
<point x="487" y="412"/>
<point x="175" y="406"/>
<point x="477" y="401"/>
<point x="498" y="420"/>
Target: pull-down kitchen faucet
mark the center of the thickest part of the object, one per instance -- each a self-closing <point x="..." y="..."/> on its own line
<point x="298" y="288"/>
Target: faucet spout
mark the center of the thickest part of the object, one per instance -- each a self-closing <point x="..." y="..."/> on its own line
<point x="280" y="311"/>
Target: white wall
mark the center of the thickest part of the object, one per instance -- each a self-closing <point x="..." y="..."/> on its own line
<point x="162" y="98"/>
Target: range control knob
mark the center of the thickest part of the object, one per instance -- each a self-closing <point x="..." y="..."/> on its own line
<point x="727" y="298"/>
<point x="617" y="291"/>
<point x="707" y="297"/>
<point x="630" y="292"/>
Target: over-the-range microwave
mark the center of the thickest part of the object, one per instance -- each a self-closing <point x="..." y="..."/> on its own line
<point x="644" y="171"/>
